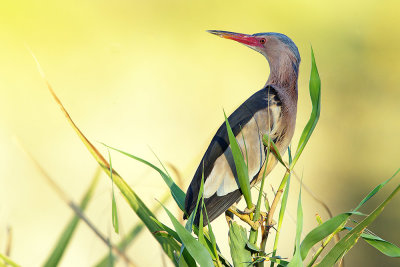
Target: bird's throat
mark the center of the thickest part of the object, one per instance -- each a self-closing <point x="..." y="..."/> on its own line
<point x="283" y="73"/>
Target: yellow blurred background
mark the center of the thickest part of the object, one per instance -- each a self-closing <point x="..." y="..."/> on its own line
<point x="135" y="74"/>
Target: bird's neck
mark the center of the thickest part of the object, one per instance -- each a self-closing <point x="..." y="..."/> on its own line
<point x="284" y="72"/>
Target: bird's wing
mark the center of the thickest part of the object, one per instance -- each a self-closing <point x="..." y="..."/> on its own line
<point x="256" y="116"/>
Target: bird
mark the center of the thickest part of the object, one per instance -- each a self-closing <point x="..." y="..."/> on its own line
<point x="271" y="110"/>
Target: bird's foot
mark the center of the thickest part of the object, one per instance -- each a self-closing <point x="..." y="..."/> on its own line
<point x="246" y="217"/>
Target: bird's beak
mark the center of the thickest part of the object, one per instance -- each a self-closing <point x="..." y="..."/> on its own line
<point x="245" y="39"/>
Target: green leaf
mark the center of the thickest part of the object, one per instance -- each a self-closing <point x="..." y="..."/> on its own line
<point x="189" y="261"/>
<point x="201" y="230"/>
<point x="349" y="240"/>
<point x="114" y="213"/>
<point x="315" y="94"/>
<point x="211" y="242"/>
<point x="176" y="191"/>
<point x="241" y="256"/>
<point x="240" y="164"/>
<point x="195" y="248"/>
<point x="376" y="190"/>
<point x="189" y="223"/>
<point x="66" y="236"/>
<point x="211" y="234"/>
<point x="322" y="231"/>
<point x="383" y="246"/>
<point x="7" y="261"/>
<point x="201" y="238"/>
<point x="297" y="259"/>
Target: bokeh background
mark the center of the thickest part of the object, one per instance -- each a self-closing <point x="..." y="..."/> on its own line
<point x="135" y="74"/>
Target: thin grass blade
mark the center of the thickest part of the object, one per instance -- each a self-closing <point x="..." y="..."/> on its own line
<point x="190" y="221"/>
<point x="176" y="192"/>
<point x="240" y="164"/>
<point x="114" y="212"/>
<point x="376" y="190"/>
<point x="201" y="238"/>
<point x="297" y="260"/>
<point x="211" y="235"/>
<point x="66" y="236"/>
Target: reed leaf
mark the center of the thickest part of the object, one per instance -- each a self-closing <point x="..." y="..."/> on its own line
<point x="240" y="164"/>
<point x="315" y="94"/>
<point x="66" y="236"/>
<point x="194" y="247"/>
<point x="382" y="245"/>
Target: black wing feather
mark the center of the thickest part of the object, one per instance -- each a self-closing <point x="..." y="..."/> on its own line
<point x="215" y="205"/>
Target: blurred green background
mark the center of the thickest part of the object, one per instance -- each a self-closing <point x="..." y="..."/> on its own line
<point x="135" y="74"/>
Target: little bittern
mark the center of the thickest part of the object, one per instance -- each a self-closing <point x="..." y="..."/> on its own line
<point x="272" y="111"/>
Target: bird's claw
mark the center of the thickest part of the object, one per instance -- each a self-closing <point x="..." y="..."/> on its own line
<point x="244" y="216"/>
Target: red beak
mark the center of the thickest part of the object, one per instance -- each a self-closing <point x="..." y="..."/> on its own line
<point x="246" y="39"/>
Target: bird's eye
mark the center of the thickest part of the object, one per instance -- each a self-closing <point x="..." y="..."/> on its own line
<point x="262" y="41"/>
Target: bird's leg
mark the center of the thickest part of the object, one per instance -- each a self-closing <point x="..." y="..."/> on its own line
<point x="244" y="217"/>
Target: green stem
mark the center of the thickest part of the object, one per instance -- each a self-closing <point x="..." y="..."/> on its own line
<point x="281" y="212"/>
<point x="324" y="244"/>
<point x="254" y="233"/>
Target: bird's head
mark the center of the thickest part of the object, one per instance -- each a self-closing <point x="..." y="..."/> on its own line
<point x="276" y="47"/>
